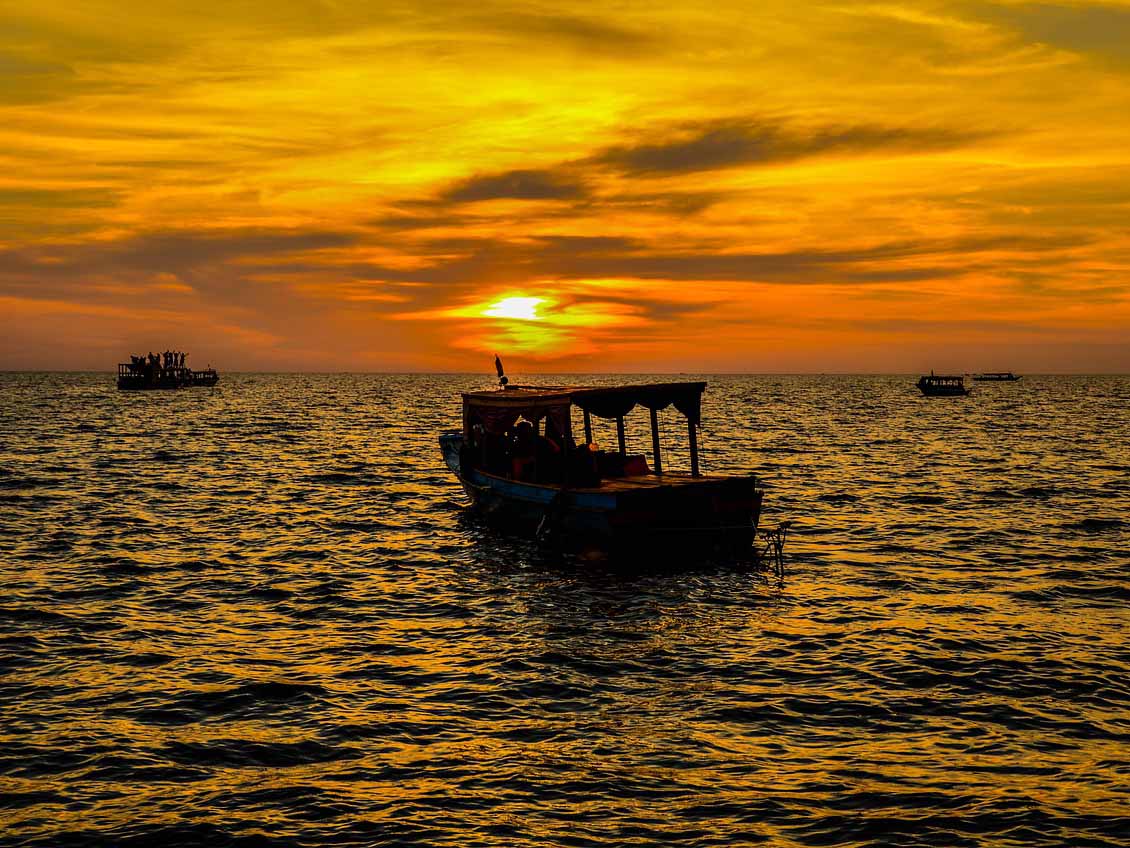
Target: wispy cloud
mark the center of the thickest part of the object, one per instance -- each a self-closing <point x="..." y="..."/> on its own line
<point x="1088" y="28"/>
<point x="732" y="143"/>
<point x="518" y="185"/>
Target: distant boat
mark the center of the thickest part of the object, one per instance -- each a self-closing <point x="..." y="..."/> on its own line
<point x="146" y="373"/>
<point x="519" y="464"/>
<point x="939" y="385"/>
<point x="996" y="377"/>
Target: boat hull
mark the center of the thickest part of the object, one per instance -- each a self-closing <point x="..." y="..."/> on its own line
<point x="141" y="382"/>
<point x="670" y="512"/>
<point x="943" y="391"/>
<point x="942" y="386"/>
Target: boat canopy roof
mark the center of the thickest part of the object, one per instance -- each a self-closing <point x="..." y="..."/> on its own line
<point x="498" y="409"/>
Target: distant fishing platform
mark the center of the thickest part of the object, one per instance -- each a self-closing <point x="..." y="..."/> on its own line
<point x="166" y="370"/>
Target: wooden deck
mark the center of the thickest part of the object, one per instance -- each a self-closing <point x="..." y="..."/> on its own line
<point x="634" y="483"/>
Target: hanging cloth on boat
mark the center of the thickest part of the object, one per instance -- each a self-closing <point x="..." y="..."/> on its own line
<point x="616" y="403"/>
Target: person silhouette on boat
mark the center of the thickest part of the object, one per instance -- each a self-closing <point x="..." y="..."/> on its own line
<point x="550" y="452"/>
<point x="523" y="452"/>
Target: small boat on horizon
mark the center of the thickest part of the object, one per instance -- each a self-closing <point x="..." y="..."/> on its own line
<point x="996" y="377"/>
<point x="942" y="385"/>
<point x="166" y="370"/>
<point x="521" y="467"/>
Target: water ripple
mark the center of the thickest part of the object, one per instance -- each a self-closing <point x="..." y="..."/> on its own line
<point x="258" y="615"/>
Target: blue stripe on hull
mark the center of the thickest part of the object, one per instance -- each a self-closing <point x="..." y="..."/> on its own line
<point x="577" y="512"/>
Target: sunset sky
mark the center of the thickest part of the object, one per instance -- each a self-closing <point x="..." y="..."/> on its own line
<point x="620" y="186"/>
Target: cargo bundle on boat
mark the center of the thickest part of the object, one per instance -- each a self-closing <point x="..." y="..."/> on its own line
<point x="163" y="371"/>
<point x="939" y="385"/>
<point x="519" y="462"/>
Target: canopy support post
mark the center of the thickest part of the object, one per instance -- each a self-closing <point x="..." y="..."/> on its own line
<point x="620" y="435"/>
<point x="588" y="427"/>
<point x="537" y="438"/>
<point x="655" y="441"/>
<point x="693" y="434"/>
<point x="566" y="451"/>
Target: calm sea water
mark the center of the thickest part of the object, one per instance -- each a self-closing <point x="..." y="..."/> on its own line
<point x="257" y="615"/>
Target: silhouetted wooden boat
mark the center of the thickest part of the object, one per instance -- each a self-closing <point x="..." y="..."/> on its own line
<point x="150" y="373"/>
<point x="938" y="385"/>
<point x="996" y="377"/>
<point x="519" y="464"/>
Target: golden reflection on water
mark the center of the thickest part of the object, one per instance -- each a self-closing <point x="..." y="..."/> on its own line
<point x="279" y="623"/>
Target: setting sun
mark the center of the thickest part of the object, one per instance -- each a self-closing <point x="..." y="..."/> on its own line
<point x="522" y="308"/>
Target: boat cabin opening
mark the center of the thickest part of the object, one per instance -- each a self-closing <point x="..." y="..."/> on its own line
<point x="526" y="433"/>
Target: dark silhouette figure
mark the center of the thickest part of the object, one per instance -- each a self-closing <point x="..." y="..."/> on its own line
<point x="523" y="452"/>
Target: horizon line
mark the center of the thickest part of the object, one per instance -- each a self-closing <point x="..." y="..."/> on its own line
<point x="604" y="373"/>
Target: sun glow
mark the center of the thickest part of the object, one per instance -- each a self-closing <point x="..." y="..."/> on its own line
<point x="521" y="308"/>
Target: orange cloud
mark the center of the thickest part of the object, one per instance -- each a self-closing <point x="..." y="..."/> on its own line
<point x="641" y="188"/>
